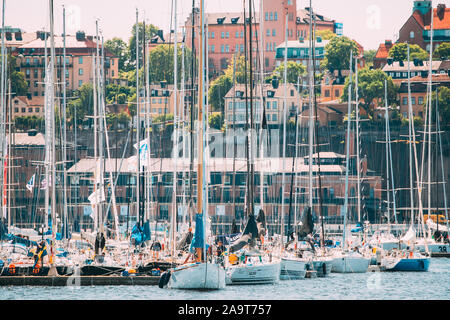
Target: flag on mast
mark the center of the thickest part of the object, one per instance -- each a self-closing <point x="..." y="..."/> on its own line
<point x="30" y="184"/>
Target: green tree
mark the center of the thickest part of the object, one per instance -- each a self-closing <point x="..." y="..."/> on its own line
<point x="326" y="34"/>
<point x="119" y="48"/>
<point x="219" y="87"/>
<point x="19" y="85"/>
<point x="150" y="31"/>
<point x="84" y="103"/>
<point x="369" y="55"/>
<point x="442" y="52"/>
<point x="216" y="120"/>
<point x="337" y="54"/>
<point x="294" y="70"/>
<point x="443" y="104"/>
<point x="399" y="52"/>
<point x="371" y="88"/>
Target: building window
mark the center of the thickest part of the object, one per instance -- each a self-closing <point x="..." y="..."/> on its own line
<point x="411" y="34"/>
<point x="242" y="34"/>
<point x="16" y="110"/>
<point x="274" y="117"/>
<point x="405" y="101"/>
<point x="275" y="16"/>
<point x="268" y="32"/>
<point x="266" y="16"/>
<point x="336" y="93"/>
<point x="274" y="32"/>
<point x="222" y="48"/>
<point x="80" y="71"/>
<point x="420" y="100"/>
<point x="271" y="16"/>
<point x="222" y="35"/>
<point x="80" y="83"/>
<point x="35" y="93"/>
<point x="213" y="48"/>
<point x="36" y="110"/>
<point x="227" y="48"/>
<point x="27" y="73"/>
<point x="112" y="73"/>
<point x="242" y="48"/>
<point x="237" y="34"/>
<point x="35" y="84"/>
<point x="30" y="109"/>
<point x="292" y="93"/>
<point x="413" y="100"/>
<point x="291" y="16"/>
<point x="228" y="34"/>
<point x="80" y="60"/>
<point x="274" y="105"/>
<point x="24" y="110"/>
<point x="327" y="93"/>
<point x="268" y="105"/>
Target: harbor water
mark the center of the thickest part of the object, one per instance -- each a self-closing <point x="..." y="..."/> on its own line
<point x="431" y="285"/>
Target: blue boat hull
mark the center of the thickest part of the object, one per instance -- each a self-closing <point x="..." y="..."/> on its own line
<point x="412" y="265"/>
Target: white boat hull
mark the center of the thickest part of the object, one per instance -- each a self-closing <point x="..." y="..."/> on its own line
<point x="292" y="269"/>
<point x="348" y="264"/>
<point x="208" y="276"/>
<point x="253" y="274"/>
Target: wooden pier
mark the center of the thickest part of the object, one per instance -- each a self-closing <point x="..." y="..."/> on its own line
<point x="74" y="281"/>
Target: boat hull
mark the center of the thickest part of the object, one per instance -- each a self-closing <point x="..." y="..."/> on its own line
<point x="409" y="264"/>
<point x="350" y="264"/>
<point x="200" y="276"/>
<point x="292" y="269"/>
<point x="253" y="274"/>
<point x="436" y="249"/>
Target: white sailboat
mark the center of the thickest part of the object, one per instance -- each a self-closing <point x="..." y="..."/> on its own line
<point x="204" y="273"/>
<point x="344" y="260"/>
<point x="409" y="259"/>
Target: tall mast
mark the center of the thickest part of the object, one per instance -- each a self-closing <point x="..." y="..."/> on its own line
<point x="358" y="161"/>
<point x="175" y="123"/>
<point x="261" y="92"/>
<point x="3" y="103"/>
<point x="138" y="124"/>
<point x="53" y="152"/>
<point x="251" y="147"/>
<point x="347" y="155"/>
<point x="234" y="136"/>
<point x="66" y="222"/>
<point x="284" y="127"/>
<point x="311" y="109"/>
<point x="200" y="144"/>
<point x="387" y="153"/>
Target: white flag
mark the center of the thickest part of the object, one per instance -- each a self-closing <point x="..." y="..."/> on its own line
<point x="143" y="150"/>
<point x="97" y="196"/>
<point x="30" y="184"/>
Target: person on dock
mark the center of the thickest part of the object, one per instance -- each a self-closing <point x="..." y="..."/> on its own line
<point x="220" y="252"/>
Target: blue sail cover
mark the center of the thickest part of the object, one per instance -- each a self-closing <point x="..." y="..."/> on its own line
<point x="139" y="234"/>
<point x="197" y="241"/>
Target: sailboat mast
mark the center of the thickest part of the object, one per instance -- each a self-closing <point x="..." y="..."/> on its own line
<point x="347" y="154"/>
<point x="175" y="123"/>
<point x="138" y="125"/>
<point x="358" y="161"/>
<point x="261" y="92"/>
<point x="311" y="109"/>
<point x="3" y="102"/>
<point x="65" y="235"/>
<point x="387" y="153"/>
<point x="252" y="165"/>
<point x="53" y="153"/>
<point x="284" y="127"/>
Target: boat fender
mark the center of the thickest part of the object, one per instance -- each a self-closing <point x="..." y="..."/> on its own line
<point x="164" y="279"/>
<point x="36" y="269"/>
<point x="324" y="268"/>
<point x="12" y="269"/>
<point x="422" y="264"/>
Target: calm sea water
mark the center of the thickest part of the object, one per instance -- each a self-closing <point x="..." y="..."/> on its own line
<point x="434" y="284"/>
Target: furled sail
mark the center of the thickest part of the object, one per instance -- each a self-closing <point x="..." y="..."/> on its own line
<point x="306" y="224"/>
<point x="250" y="233"/>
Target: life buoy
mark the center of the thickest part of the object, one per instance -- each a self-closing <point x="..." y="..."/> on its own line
<point x="36" y="269"/>
<point x="164" y="279"/>
<point x="12" y="269"/>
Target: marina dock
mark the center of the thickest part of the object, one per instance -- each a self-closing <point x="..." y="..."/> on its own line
<point x="61" y="281"/>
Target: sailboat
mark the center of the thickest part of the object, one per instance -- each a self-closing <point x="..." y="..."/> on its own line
<point x="409" y="259"/>
<point x="292" y="266"/>
<point x="246" y="263"/>
<point x="345" y="260"/>
<point x="384" y="239"/>
<point x="204" y="273"/>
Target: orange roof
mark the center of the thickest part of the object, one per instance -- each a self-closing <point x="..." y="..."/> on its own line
<point x="383" y="51"/>
<point x="435" y="78"/>
<point x="438" y="23"/>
